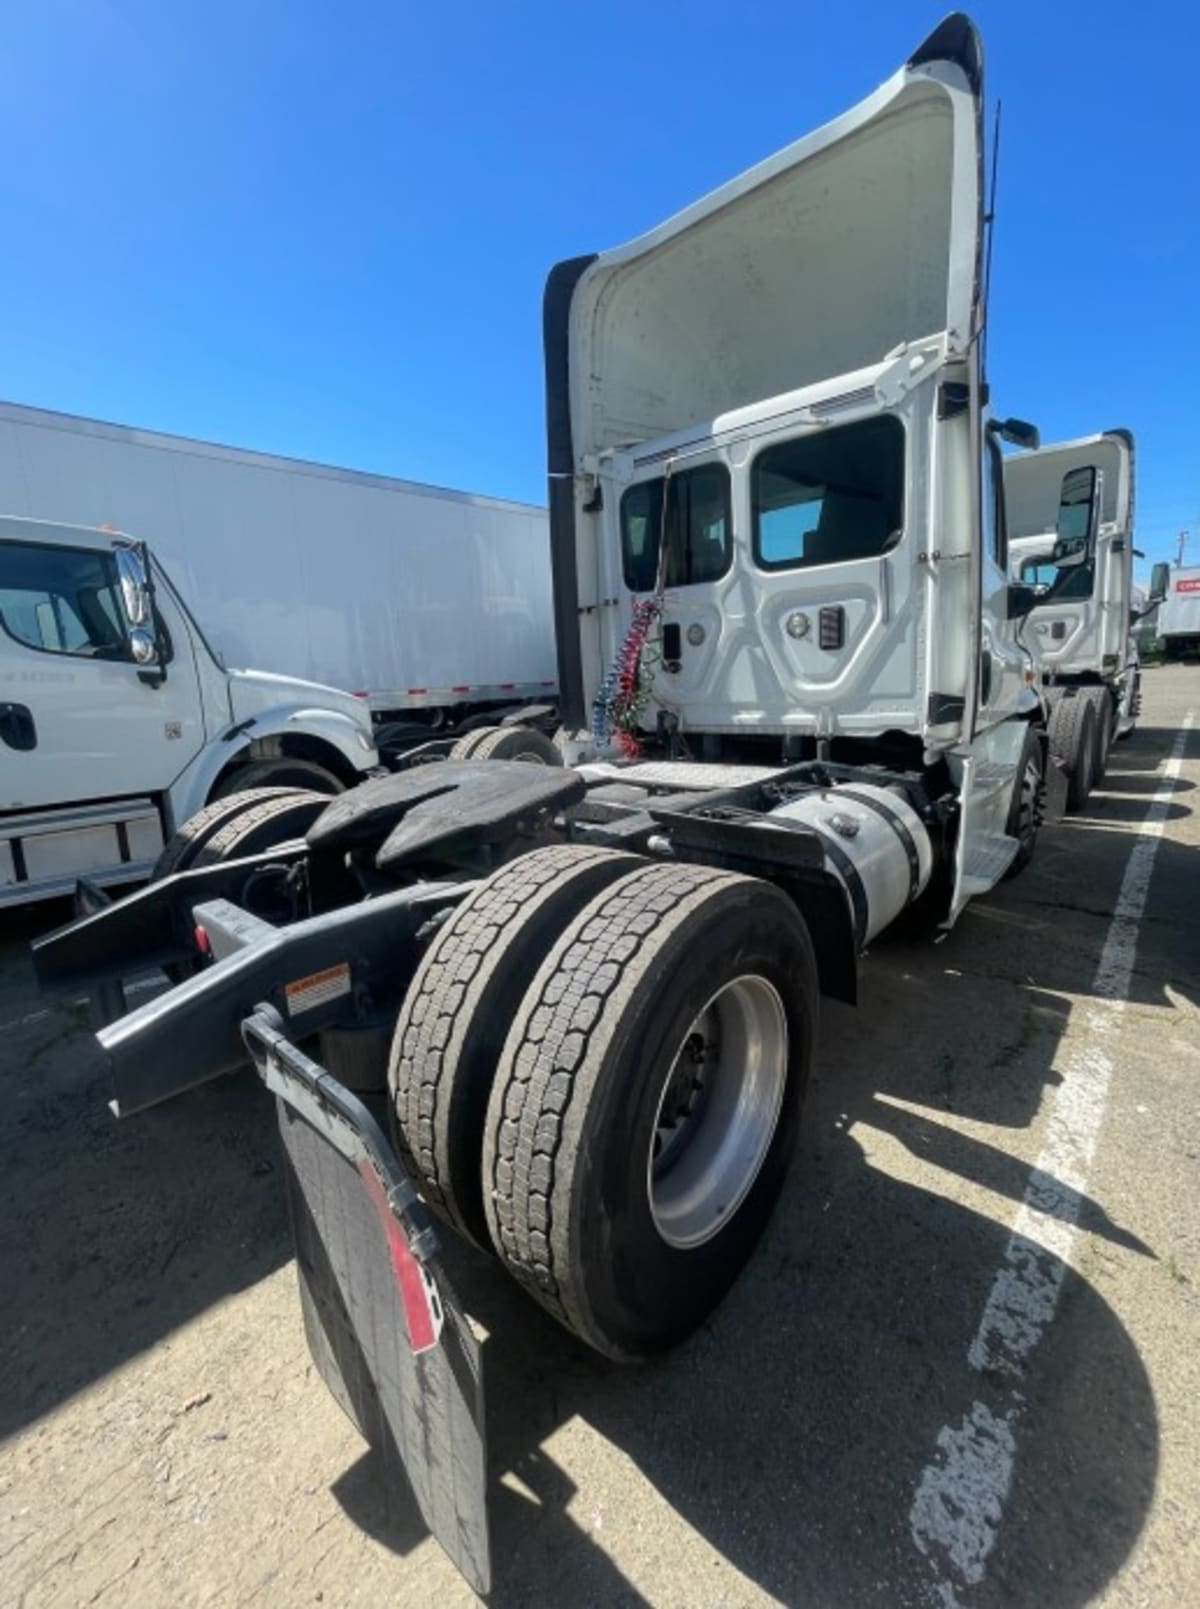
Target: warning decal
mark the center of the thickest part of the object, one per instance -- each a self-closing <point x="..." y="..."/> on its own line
<point x="317" y="989"/>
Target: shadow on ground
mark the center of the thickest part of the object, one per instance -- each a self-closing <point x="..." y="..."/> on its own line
<point x="792" y="1431"/>
<point x="112" y="1234"/>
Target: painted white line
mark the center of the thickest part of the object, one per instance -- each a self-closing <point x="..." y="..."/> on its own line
<point x="959" y="1501"/>
<point x="23" y="1022"/>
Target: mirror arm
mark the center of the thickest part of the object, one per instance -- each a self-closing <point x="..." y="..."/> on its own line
<point x="156" y="675"/>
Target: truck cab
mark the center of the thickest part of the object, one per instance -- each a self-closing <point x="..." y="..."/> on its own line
<point x="770" y="432"/>
<point x="117" y="720"/>
<point x="1080" y="567"/>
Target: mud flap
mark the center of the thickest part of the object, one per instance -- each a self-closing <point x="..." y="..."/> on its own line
<point x="383" y="1325"/>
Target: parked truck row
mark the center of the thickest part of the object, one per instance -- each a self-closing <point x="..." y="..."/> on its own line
<point x="1084" y="615"/>
<point x="567" y="1012"/>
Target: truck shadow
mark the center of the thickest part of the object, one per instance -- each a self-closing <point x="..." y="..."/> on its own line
<point x="113" y="1234"/>
<point x="791" y="1433"/>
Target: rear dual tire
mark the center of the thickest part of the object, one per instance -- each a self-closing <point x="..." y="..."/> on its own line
<point x="239" y="824"/>
<point x="455" y="1015"/>
<point x="1074" y="736"/>
<point x="609" y="1095"/>
<point x="231" y="828"/>
<point x="508" y="743"/>
<point x="578" y="1210"/>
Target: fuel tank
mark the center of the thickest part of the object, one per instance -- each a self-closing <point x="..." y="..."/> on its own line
<point x="875" y="843"/>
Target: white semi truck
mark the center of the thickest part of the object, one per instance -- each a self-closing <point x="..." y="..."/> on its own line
<point x="118" y="721"/>
<point x="433" y="605"/>
<point x="1081" y="625"/>
<point x="1177" y="591"/>
<point x="797" y="703"/>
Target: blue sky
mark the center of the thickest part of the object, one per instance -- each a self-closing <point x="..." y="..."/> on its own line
<point x="323" y="229"/>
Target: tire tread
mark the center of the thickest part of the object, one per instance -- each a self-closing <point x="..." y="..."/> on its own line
<point x="468" y="969"/>
<point x="177" y="854"/>
<point x="531" y="1142"/>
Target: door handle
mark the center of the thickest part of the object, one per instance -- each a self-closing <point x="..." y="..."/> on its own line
<point x="672" y="646"/>
<point x="17" y="727"/>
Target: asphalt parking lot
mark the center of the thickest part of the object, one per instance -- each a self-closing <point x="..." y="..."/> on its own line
<point x="964" y="1367"/>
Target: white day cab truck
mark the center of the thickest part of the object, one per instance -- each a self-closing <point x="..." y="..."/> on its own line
<point x="1081" y="626"/>
<point x="432" y="605"/>
<point x="118" y="721"/>
<point x="1176" y="590"/>
<point x="583" y="998"/>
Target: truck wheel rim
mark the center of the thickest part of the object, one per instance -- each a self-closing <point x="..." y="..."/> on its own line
<point x="717" y="1112"/>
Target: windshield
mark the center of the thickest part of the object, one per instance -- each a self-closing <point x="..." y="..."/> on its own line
<point x="1041" y="574"/>
<point x="830" y="495"/>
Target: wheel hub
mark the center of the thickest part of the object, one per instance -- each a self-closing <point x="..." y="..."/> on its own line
<point x="717" y="1112"/>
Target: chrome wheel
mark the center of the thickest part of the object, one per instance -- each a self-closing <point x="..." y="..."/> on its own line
<point x="717" y="1112"/>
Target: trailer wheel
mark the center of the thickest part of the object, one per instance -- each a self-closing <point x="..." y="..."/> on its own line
<point x="280" y="773"/>
<point x="465" y="748"/>
<point x="183" y="846"/>
<point x="1028" y="801"/>
<point x="646" y="1105"/>
<point x="458" y="1009"/>
<point x="1073" y="740"/>
<point x="518" y="743"/>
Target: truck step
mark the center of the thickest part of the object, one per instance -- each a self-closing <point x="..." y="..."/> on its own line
<point x="990" y="857"/>
<point x="684" y="774"/>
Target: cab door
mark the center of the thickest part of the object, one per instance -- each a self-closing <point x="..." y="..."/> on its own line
<point x="789" y="603"/>
<point x="1086" y="620"/>
<point x="79" y="718"/>
<point x="1006" y="661"/>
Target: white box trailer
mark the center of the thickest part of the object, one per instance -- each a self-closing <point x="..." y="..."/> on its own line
<point x="418" y="597"/>
<point x="1179" y="610"/>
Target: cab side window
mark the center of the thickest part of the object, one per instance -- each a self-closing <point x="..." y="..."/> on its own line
<point x="62" y="600"/>
<point x="829" y="496"/>
<point x="698" y="529"/>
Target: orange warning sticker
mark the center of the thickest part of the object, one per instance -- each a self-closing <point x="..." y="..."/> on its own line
<point x="317" y="989"/>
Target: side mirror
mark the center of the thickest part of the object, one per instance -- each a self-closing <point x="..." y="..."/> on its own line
<point x="1078" y="517"/>
<point x="1017" y="432"/>
<point x="137" y="596"/>
<point x="1022" y="599"/>
<point x="1160" y="580"/>
<point x="143" y="646"/>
